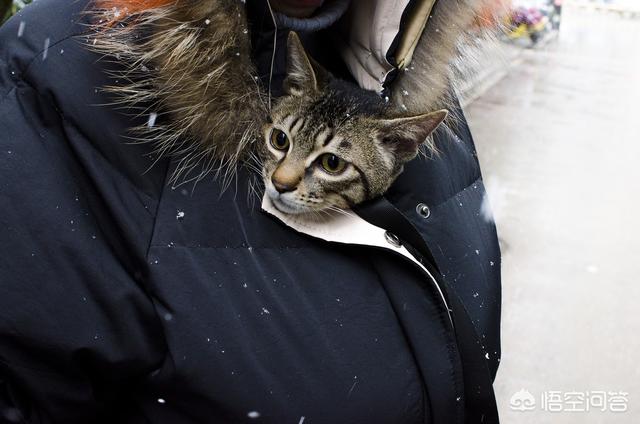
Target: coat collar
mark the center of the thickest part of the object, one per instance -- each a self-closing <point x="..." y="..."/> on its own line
<point x="347" y="227"/>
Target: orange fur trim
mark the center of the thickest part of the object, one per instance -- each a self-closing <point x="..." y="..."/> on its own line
<point x="132" y="6"/>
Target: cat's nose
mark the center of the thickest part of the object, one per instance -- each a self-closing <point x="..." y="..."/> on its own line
<point x="284" y="187"/>
<point x="286" y="178"/>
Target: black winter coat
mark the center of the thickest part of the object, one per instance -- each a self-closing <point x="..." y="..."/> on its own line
<point x="123" y="300"/>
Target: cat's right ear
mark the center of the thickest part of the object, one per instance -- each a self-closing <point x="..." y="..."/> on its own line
<point x="403" y="136"/>
<point x="303" y="74"/>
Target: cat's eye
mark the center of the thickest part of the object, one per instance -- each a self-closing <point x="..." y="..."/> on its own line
<point x="332" y="163"/>
<point x="279" y="140"/>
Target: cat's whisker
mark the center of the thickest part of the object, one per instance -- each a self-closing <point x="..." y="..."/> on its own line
<point x="340" y="210"/>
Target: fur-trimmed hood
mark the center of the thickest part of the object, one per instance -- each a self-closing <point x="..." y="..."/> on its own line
<point x="187" y="65"/>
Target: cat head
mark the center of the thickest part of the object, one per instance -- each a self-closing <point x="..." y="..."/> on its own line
<point x="329" y="144"/>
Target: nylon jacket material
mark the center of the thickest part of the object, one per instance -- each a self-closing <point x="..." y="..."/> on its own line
<point x="124" y="300"/>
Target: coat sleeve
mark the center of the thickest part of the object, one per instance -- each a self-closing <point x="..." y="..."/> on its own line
<point x="78" y="329"/>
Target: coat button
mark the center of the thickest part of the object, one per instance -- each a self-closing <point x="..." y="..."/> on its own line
<point x="423" y="210"/>
<point x="392" y="239"/>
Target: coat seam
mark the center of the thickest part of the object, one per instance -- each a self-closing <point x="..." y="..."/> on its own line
<point x="154" y="229"/>
<point x="457" y="193"/>
<point x="5" y="96"/>
<point x="177" y="246"/>
<point x="35" y="56"/>
<point x="60" y="115"/>
<point x="425" y="390"/>
<point x="120" y="174"/>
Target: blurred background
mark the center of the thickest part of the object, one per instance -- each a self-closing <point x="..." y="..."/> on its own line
<point x="554" y="106"/>
<point x="10" y="7"/>
<point x="556" y="123"/>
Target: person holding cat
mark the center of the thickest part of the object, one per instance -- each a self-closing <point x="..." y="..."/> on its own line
<point x="216" y="212"/>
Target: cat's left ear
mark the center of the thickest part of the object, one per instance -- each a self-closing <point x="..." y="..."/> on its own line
<point x="303" y="73"/>
<point x="403" y="136"/>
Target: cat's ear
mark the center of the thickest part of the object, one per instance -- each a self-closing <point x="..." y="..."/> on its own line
<point x="303" y="73"/>
<point x="403" y="136"/>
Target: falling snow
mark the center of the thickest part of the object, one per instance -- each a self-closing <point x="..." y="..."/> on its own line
<point x="592" y="269"/>
<point x="352" y="387"/>
<point x="153" y="116"/>
<point x="45" y="52"/>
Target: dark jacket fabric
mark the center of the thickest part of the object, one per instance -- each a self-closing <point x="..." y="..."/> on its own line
<point x="124" y="300"/>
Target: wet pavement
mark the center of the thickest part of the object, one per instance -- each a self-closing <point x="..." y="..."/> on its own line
<point x="559" y="140"/>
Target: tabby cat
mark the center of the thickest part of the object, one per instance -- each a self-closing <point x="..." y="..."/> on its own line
<point x="330" y="144"/>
